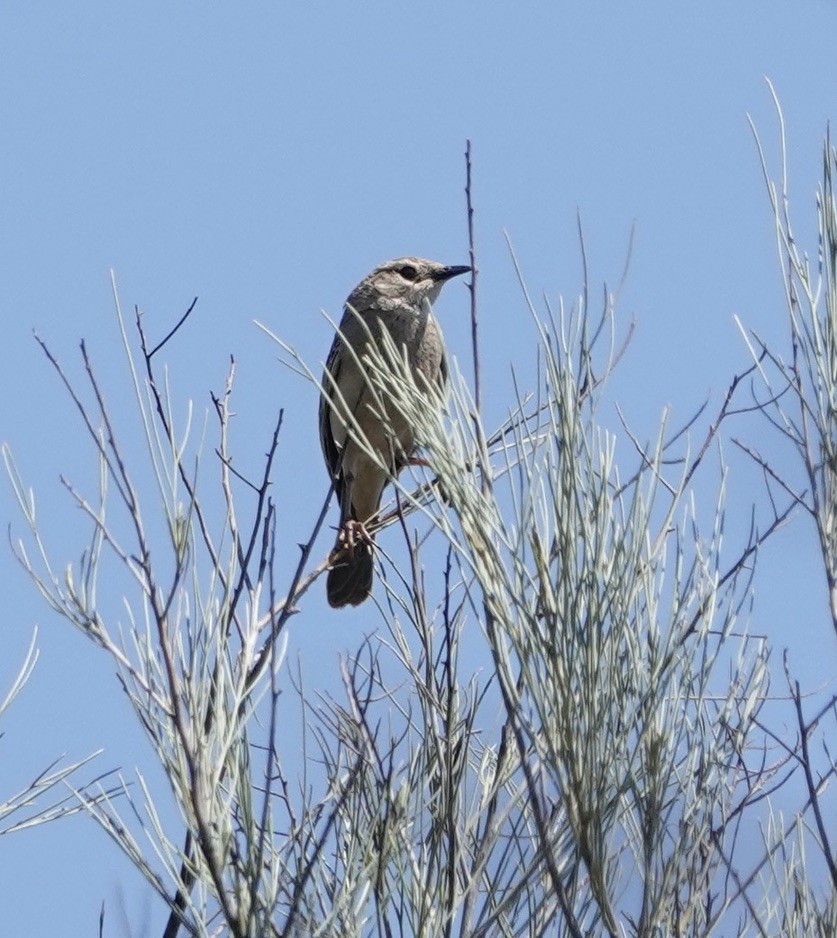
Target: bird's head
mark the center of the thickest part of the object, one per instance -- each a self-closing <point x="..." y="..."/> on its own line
<point x="404" y="280"/>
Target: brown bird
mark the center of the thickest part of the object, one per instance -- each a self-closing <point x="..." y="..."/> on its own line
<point x="397" y="295"/>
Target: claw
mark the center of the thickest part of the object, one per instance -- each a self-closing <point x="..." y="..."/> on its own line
<point x="353" y="533"/>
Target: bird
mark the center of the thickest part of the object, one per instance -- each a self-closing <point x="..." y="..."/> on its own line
<point x="396" y="295"/>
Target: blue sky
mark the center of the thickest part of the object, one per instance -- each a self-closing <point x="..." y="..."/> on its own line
<point x="264" y="157"/>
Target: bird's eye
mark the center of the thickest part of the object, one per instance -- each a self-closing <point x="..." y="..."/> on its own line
<point x="408" y="272"/>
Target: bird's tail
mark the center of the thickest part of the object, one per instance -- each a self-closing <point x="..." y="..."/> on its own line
<point x="349" y="581"/>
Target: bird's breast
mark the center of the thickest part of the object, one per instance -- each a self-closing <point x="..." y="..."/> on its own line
<point x="417" y="331"/>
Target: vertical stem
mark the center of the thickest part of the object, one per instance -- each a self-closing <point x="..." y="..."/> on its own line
<point x="472" y="285"/>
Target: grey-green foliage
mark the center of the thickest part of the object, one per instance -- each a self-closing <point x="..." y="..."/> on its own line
<point x="629" y="706"/>
<point x="559" y="728"/>
<point x="26" y="808"/>
<point x="801" y="384"/>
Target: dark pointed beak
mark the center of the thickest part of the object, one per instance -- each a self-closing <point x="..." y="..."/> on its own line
<point x="447" y="272"/>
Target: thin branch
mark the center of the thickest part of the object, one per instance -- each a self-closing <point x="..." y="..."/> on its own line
<point x="170" y="335"/>
<point x="813" y="788"/>
<point x="472" y="285"/>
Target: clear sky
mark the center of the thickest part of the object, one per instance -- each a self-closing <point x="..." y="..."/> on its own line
<point x="264" y="156"/>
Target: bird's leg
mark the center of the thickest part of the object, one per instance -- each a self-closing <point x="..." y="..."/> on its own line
<point x="353" y="533"/>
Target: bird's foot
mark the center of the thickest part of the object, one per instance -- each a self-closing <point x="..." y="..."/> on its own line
<point x="351" y="534"/>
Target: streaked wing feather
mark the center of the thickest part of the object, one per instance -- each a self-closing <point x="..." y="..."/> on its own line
<point x="330" y="451"/>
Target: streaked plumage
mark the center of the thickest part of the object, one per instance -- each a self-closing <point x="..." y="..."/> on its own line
<point x="397" y="294"/>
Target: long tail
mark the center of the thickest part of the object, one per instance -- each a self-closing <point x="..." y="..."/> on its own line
<point x="349" y="582"/>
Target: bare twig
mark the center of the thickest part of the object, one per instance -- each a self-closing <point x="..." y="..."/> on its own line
<point x="177" y="326"/>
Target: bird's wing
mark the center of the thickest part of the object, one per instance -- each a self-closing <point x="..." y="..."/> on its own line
<point x="331" y="376"/>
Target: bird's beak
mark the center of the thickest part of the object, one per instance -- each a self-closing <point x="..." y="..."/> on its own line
<point x="447" y="272"/>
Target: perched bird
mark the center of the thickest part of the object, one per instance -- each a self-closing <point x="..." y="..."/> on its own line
<point x="396" y="295"/>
